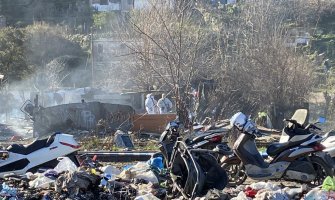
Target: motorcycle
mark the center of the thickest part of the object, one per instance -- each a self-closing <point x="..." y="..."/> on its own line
<point x="300" y="159"/>
<point x="192" y="171"/>
<point x="18" y="159"/>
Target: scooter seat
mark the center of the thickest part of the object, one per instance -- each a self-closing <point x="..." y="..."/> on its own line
<point x="276" y="148"/>
<point x="199" y="137"/>
<point x="27" y="149"/>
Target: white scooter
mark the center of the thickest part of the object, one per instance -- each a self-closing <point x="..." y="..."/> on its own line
<point x="19" y="159"/>
<point x="328" y="139"/>
<point x="329" y="143"/>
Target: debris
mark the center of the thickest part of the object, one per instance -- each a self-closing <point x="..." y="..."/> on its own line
<point x="249" y="192"/>
<point x="271" y="195"/>
<point x="328" y="184"/>
<point x="241" y="196"/>
<point x="72" y="182"/>
<point x="65" y="164"/>
<point x="147" y="197"/>
<point x="140" y="171"/>
<point x="316" y="193"/>
<point x="7" y="191"/>
<point x="41" y="181"/>
<point x="110" y="171"/>
<point x="156" y="163"/>
<point x="215" y="194"/>
<point x="123" y="140"/>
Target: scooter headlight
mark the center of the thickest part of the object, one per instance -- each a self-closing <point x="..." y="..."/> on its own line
<point x="249" y="127"/>
<point x="238" y="120"/>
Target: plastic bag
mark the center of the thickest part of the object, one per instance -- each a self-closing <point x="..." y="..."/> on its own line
<point x="41" y="182"/>
<point x="147" y="197"/>
<point x="156" y="163"/>
<point x="241" y="196"/>
<point x="8" y="191"/>
<point x="110" y="170"/>
<point x="328" y="184"/>
<point x="140" y="171"/>
<point x="263" y="185"/>
<point x="65" y="164"/>
<point x="271" y="195"/>
<point x="316" y="193"/>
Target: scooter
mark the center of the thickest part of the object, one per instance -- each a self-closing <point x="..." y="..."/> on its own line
<point x="18" y="159"/>
<point x="300" y="159"/>
<point x="193" y="171"/>
<point x="328" y="141"/>
<point x="210" y="139"/>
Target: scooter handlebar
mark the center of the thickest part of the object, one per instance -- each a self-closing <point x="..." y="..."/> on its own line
<point x="312" y="126"/>
<point x="291" y="120"/>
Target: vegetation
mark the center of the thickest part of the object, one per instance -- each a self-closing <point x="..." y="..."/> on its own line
<point x="75" y="14"/>
<point x="33" y="49"/>
<point x="238" y="56"/>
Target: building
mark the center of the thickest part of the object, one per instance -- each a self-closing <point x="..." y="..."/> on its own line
<point x="120" y="5"/>
<point x="112" y="5"/>
<point x="298" y="37"/>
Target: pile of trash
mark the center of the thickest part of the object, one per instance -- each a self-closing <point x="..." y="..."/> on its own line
<point x="266" y="191"/>
<point x="141" y="181"/>
<point x="89" y="181"/>
<point x="325" y="192"/>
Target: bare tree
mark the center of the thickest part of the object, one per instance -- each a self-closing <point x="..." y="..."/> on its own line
<point x="242" y="49"/>
<point x="168" y="47"/>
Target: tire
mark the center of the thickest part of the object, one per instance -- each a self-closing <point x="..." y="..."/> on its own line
<point x="322" y="170"/>
<point x="236" y="173"/>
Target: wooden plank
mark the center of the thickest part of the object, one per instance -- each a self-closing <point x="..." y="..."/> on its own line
<point x="152" y="123"/>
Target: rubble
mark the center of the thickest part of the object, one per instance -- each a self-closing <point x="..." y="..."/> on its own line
<point x="141" y="181"/>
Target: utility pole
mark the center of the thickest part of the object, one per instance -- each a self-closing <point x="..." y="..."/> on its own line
<point x="92" y="58"/>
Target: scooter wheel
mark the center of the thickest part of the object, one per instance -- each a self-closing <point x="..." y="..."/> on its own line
<point x="236" y="173"/>
<point x="322" y="170"/>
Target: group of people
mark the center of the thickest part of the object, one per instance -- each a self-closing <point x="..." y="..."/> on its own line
<point x="164" y="105"/>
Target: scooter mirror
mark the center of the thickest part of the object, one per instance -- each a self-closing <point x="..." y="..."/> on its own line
<point x="321" y="120"/>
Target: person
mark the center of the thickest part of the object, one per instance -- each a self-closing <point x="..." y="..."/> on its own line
<point x="151" y="104"/>
<point x="164" y="104"/>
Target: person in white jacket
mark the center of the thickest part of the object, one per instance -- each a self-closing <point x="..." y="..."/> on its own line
<point x="151" y="104"/>
<point x="164" y="105"/>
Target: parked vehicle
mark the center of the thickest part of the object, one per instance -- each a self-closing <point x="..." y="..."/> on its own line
<point x="193" y="171"/>
<point x="329" y="143"/>
<point x="328" y="139"/>
<point x="18" y="159"/>
<point x="301" y="158"/>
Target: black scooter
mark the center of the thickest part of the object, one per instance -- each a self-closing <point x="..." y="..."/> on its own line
<point x="193" y="171"/>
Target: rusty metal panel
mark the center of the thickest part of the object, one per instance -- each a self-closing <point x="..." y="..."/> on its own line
<point x="152" y="123"/>
<point x="83" y="116"/>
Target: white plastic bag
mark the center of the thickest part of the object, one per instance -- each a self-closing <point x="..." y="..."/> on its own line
<point x="141" y="171"/>
<point x="65" y="164"/>
<point x="110" y="170"/>
<point x="41" y="182"/>
<point x="241" y="196"/>
<point x="147" y="197"/>
<point x="316" y="193"/>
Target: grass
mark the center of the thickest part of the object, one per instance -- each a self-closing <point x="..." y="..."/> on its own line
<point x="107" y="144"/>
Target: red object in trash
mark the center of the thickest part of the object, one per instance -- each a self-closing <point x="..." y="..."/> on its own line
<point x="250" y="192"/>
<point x="16" y="138"/>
